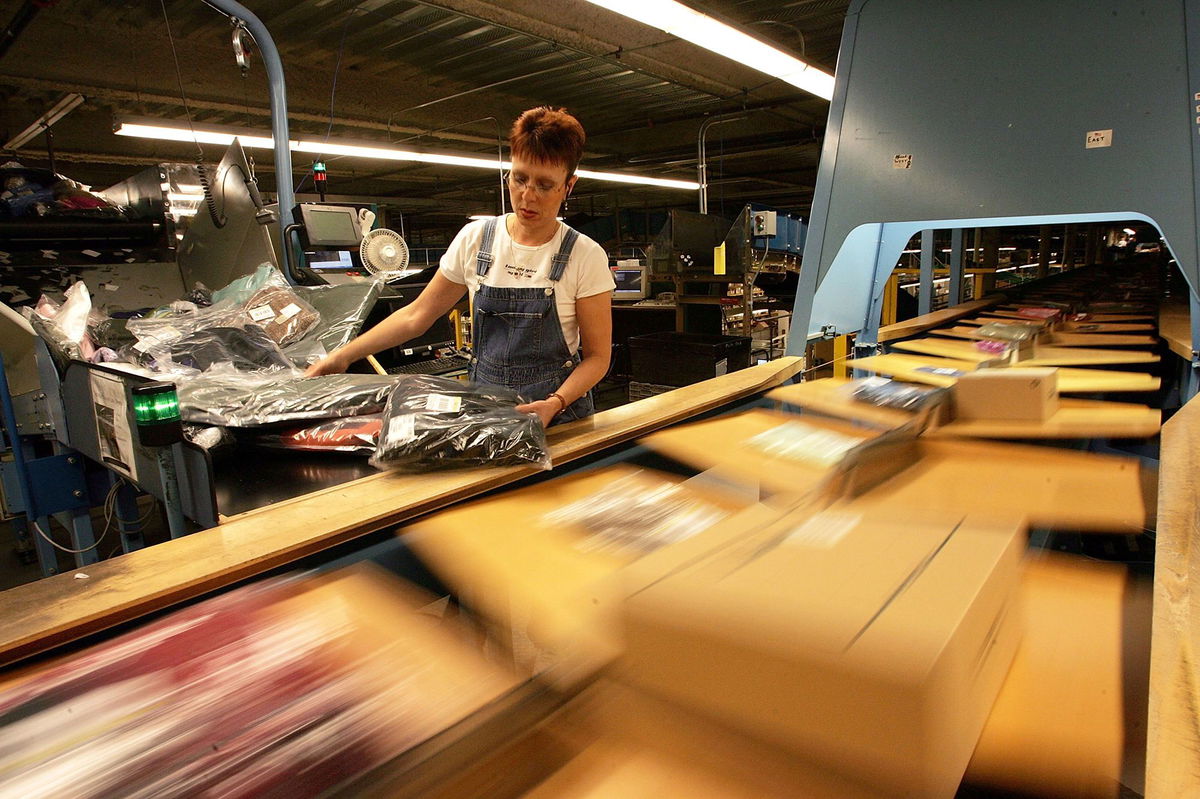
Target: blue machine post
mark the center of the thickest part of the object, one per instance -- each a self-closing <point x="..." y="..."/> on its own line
<point x="170" y="485"/>
<point x="925" y="300"/>
<point x="956" y="267"/>
<point x="279" y="122"/>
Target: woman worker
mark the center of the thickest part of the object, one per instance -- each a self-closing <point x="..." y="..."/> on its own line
<point x="541" y="292"/>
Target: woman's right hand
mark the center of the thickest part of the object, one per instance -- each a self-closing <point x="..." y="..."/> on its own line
<point x="332" y="364"/>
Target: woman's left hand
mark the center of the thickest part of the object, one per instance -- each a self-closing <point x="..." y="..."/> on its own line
<point x="545" y="409"/>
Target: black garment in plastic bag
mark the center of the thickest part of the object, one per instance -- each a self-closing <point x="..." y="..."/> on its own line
<point x="256" y="399"/>
<point x="245" y="349"/>
<point x="438" y="423"/>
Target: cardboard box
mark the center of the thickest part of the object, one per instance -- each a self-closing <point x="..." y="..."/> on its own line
<point x="874" y="646"/>
<point x="649" y="748"/>
<point x="1024" y="394"/>
<point x="544" y="585"/>
<point x="792" y="455"/>
<point x="1057" y="728"/>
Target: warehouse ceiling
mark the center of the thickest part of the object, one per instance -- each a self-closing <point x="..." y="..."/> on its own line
<point x="445" y="75"/>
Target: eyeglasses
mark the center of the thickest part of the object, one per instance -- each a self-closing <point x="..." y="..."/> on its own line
<point x="540" y="187"/>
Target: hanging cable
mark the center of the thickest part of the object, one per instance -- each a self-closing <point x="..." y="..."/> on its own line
<point x="337" y="66"/>
<point x="179" y="77"/>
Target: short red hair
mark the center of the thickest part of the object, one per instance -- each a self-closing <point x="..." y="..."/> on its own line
<point x="548" y="135"/>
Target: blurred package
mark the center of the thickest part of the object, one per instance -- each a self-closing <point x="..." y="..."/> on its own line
<point x="286" y="688"/>
<point x="1009" y="332"/>
<point x="872" y="645"/>
<point x="538" y="562"/>
<point x="441" y="423"/>
<point x="616" y="741"/>
<point x="357" y="434"/>
<point x="1020" y="394"/>
<point x="1058" y="728"/>
<point x="887" y="393"/>
<point x="1049" y="314"/>
<point x="780" y="453"/>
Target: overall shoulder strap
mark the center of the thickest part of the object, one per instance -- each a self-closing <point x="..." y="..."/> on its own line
<point x="560" y="259"/>
<point x="483" y="258"/>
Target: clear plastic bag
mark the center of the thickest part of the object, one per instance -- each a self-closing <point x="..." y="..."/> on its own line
<point x="343" y="310"/>
<point x="242" y="289"/>
<point x="437" y="423"/>
<point x="232" y="399"/>
<point x="282" y="313"/>
<point x="887" y="393"/>
<point x="357" y="434"/>
<point x="634" y="514"/>
<point x="64" y="327"/>
<point x="244" y="349"/>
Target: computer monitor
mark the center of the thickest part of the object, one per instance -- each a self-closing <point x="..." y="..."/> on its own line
<point x="632" y="281"/>
<point x="330" y="260"/>
<point x="330" y="225"/>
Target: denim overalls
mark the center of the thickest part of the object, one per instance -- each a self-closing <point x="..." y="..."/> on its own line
<point x="516" y="339"/>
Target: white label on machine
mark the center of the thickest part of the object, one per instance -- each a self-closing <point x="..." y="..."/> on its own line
<point x="902" y="161"/>
<point x="1098" y="138"/>
<point x="290" y="310"/>
<point x="262" y="313"/>
<point x="824" y="530"/>
<point x="113" y="435"/>
<point x="443" y="404"/>
<point x="401" y="429"/>
<point x="722" y="367"/>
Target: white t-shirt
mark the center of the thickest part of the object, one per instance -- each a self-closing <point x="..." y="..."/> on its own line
<point x="519" y="266"/>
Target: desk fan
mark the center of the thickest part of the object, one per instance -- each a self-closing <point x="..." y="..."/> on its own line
<point x="384" y="253"/>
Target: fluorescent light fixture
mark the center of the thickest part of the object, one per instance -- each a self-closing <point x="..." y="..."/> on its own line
<point x="1130" y="231"/>
<point x="66" y="105"/>
<point x="157" y="130"/>
<point x="702" y="30"/>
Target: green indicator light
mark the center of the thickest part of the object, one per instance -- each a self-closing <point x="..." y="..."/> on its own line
<point x="154" y="403"/>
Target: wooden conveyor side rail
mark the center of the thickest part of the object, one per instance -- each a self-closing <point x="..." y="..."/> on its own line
<point x="1173" y="745"/>
<point x="42" y="615"/>
<point x="922" y="324"/>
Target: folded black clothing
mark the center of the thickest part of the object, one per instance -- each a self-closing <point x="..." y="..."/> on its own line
<point x="265" y="398"/>
<point x="245" y="349"/>
<point x="107" y="331"/>
<point x="436" y="422"/>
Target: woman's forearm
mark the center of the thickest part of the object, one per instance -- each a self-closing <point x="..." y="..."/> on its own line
<point x="589" y="372"/>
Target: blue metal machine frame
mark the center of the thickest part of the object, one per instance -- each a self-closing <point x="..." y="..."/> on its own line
<point x="987" y="118"/>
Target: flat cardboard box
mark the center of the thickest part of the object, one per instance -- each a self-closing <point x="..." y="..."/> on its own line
<point x="872" y="645"/>
<point x="1019" y="394"/>
<point x="1057" y="728"/>
<point x="544" y="586"/>
<point x="784" y="453"/>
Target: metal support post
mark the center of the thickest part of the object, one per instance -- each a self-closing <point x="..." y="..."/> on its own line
<point x="1043" y="261"/>
<point x="925" y="299"/>
<point x="126" y="512"/>
<point x="956" y="267"/>
<point x="170" y="483"/>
